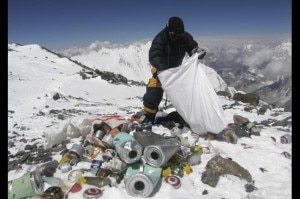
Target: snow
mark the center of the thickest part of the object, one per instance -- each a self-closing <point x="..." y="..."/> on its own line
<point x="35" y="75"/>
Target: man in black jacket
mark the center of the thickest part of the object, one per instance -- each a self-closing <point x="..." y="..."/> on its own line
<point x="167" y="51"/>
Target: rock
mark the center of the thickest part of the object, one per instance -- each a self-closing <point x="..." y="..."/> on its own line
<point x="219" y="166"/>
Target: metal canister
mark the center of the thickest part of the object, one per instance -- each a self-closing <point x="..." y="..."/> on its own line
<point x="286" y="139"/>
<point x="99" y="134"/>
<point x="108" y="140"/>
<point x="128" y="149"/>
<point x="161" y="151"/>
<point x="77" y="150"/>
<point x="30" y="184"/>
<point x="65" y="167"/>
<point x="92" y="193"/>
<point x="140" y="180"/>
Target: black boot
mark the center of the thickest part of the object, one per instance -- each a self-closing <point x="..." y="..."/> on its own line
<point x="149" y="117"/>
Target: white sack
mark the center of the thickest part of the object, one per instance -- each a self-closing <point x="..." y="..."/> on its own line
<point x="78" y="126"/>
<point x="193" y="96"/>
<point x="69" y="128"/>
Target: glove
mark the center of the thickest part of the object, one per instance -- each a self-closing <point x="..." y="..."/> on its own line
<point x="201" y="52"/>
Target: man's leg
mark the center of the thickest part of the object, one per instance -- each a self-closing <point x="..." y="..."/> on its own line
<point x="153" y="96"/>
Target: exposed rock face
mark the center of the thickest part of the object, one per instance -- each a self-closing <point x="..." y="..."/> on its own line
<point x="250" y="98"/>
<point x="219" y="166"/>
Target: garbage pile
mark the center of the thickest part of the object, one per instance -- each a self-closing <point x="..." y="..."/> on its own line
<point x="115" y="149"/>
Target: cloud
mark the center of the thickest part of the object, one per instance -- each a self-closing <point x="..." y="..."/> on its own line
<point x="258" y="58"/>
<point x="277" y="68"/>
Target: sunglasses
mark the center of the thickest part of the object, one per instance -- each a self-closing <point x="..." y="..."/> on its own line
<point x="176" y="35"/>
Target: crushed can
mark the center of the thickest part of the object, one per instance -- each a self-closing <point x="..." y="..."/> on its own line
<point x="30" y="184"/>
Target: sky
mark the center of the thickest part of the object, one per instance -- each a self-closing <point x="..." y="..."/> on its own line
<point x="64" y="24"/>
<point x="35" y="75"/>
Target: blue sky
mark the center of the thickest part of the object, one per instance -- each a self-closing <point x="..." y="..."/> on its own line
<point x="58" y="24"/>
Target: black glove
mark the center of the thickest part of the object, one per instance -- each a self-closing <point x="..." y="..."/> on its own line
<point x="201" y="52"/>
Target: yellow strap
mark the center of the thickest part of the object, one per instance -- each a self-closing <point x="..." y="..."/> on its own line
<point x="148" y="110"/>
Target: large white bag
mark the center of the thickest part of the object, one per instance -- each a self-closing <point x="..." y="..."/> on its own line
<point x="193" y="96"/>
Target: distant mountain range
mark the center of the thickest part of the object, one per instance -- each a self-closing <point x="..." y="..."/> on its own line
<point x="263" y="68"/>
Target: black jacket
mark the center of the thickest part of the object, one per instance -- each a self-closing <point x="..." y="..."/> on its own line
<point x="164" y="53"/>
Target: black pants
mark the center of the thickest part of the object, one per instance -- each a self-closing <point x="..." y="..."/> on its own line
<point x="153" y="95"/>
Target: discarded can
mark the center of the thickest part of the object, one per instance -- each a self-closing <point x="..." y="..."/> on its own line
<point x="158" y="154"/>
<point x="116" y="165"/>
<point x="53" y="192"/>
<point x="65" y="167"/>
<point x="286" y="154"/>
<point x="92" y="193"/>
<point x="95" y="166"/>
<point x="102" y="172"/>
<point x="174" y="181"/>
<point x="30" y="184"/>
<point x="286" y="139"/>
<point x="98" y="181"/>
<point x="76" y="150"/>
<point x="75" y="175"/>
<point x="99" y="134"/>
<point x="105" y="128"/>
<point x="108" y="154"/>
<point x="140" y="180"/>
<point x="74" y="161"/>
<point x="127" y="147"/>
<point x="176" y="170"/>
<point x="108" y="140"/>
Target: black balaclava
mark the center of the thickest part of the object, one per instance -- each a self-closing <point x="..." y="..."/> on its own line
<point x="175" y="24"/>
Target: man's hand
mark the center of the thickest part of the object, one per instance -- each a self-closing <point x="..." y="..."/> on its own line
<point x="201" y="52"/>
